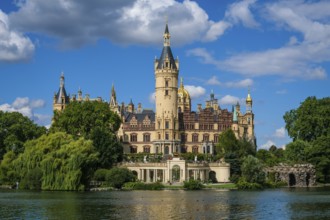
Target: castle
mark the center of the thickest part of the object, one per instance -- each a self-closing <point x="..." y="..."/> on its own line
<point x="173" y="128"/>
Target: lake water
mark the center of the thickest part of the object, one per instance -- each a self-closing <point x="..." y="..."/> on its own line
<point x="313" y="203"/>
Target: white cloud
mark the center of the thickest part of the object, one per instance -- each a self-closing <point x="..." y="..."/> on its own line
<point x="152" y="97"/>
<point x="13" y="45"/>
<point x="195" y="91"/>
<point x="280" y="133"/>
<point x="213" y="81"/>
<point x="216" y="30"/>
<point x="76" y="23"/>
<point x="267" y="145"/>
<point x="26" y="107"/>
<point x="229" y="100"/>
<point x="236" y="84"/>
<point x="294" y="60"/>
<point x="240" y="12"/>
<point x="240" y="84"/>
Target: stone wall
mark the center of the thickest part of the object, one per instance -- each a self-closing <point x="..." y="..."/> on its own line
<point x="297" y="175"/>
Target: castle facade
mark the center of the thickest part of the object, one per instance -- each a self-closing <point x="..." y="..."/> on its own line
<point x="173" y="127"/>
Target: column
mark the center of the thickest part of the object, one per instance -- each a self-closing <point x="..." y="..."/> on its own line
<point x="148" y="174"/>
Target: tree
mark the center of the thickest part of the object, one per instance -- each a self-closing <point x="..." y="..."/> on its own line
<point x="15" y="130"/>
<point x="233" y="151"/>
<point x="92" y="120"/>
<point x="65" y="163"/>
<point x="319" y="155"/>
<point x="252" y="170"/>
<point x="227" y="142"/>
<point x="297" y="151"/>
<point x="117" y="177"/>
<point x="310" y="121"/>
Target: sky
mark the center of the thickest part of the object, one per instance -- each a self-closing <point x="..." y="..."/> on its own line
<point x="278" y="49"/>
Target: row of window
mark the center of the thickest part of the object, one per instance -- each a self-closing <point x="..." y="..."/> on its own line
<point x="194" y="138"/>
<point x="184" y="137"/>
<point x="146" y="149"/>
<point x="203" y="126"/>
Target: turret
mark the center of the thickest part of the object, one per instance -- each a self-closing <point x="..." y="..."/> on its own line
<point x="166" y="75"/>
<point x="61" y="99"/>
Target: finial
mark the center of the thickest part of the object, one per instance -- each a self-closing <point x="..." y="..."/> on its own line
<point x="181" y="82"/>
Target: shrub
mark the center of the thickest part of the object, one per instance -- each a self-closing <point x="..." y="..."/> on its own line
<point x="100" y="174"/>
<point x="193" y="185"/>
<point x="116" y="177"/>
<point x="244" y="185"/>
<point x="143" y="186"/>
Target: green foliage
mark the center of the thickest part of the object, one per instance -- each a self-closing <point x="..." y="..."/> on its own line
<point x="15" y="130"/>
<point x="310" y="121"/>
<point x="143" y="186"/>
<point x="272" y="156"/>
<point x="193" y="185"/>
<point x="234" y="151"/>
<point x="100" y="174"/>
<point x="227" y="143"/>
<point x="319" y="155"/>
<point x="296" y="151"/>
<point x="92" y="120"/>
<point x="66" y="163"/>
<point x="32" y="180"/>
<point x="252" y="170"/>
<point x="117" y="176"/>
<point x="81" y="118"/>
<point x="242" y="184"/>
<point x="107" y="144"/>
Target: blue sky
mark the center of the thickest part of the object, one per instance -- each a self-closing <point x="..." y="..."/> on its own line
<point x="280" y="49"/>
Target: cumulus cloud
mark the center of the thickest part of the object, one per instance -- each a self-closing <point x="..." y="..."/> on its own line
<point x="77" y="22"/>
<point x="26" y="107"/>
<point x="293" y="60"/>
<point x="240" y="12"/>
<point x="229" y="100"/>
<point x="280" y="133"/>
<point x="195" y="91"/>
<point x="152" y="97"/>
<point x="13" y="45"/>
<point x="236" y="84"/>
<point x="267" y="145"/>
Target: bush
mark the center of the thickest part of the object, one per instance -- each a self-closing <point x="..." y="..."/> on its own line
<point x="100" y="174"/>
<point x="116" y="177"/>
<point x="143" y="186"/>
<point x="32" y="179"/>
<point x="244" y="185"/>
<point x="193" y="185"/>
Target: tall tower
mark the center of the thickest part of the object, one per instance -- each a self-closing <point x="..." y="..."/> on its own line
<point x="113" y="101"/>
<point x="61" y="99"/>
<point x="166" y="76"/>
<point x="250" y="118"/>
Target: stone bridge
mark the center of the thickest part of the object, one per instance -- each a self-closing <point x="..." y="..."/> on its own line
<point x="298" y="175"/>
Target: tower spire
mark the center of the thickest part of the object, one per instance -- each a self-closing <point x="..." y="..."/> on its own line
<point x="167" y="36"/>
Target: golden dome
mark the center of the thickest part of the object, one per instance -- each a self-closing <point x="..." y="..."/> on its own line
<point x="182" y="92"/>
<point x="248" y="98"/>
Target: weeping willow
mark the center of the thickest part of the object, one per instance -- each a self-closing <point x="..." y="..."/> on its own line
<point x="65" y="163"/>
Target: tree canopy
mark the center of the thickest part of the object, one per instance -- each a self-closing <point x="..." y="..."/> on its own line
<point x="55" y="161"/>
<point x="310" y="120"/>
<point x="15" y="130"/>
<point x="95" y="121"/>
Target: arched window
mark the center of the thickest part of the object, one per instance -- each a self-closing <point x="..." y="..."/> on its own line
<point x="195" y="138"/>
<point x="146" y="149"/>
<point x="133" y="149"/>
<point x="195" y="149"/>
<point x="133" y="137"/>
<point x="146" y="137"/>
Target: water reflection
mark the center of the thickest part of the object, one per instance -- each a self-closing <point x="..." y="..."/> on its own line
<point x="206" y="204"/>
